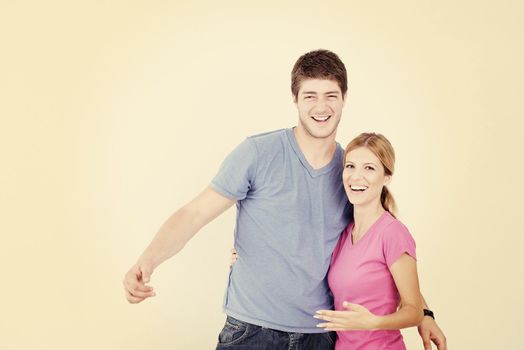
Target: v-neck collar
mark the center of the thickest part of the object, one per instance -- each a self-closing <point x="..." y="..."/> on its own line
<point x="314" y="172"/>
<point x="369" y="232"/>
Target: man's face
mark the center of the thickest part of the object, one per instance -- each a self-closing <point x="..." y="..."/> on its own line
<point x="319" y="103"/>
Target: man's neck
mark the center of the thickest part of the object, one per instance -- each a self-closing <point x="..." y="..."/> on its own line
<point x="318" y="151"/>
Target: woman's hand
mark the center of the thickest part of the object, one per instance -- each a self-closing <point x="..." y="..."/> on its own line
<point x="233" y="258"/>
<point x="355" y="317"/>
<point x="430" y="332"/>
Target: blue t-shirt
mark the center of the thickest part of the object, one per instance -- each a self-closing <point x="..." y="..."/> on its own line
<point x="289" y="218"/>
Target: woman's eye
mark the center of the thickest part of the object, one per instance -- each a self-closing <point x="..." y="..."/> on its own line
<point x="370" y="168"/>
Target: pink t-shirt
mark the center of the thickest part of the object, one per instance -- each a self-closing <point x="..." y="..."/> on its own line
<point x="359" y="273"/>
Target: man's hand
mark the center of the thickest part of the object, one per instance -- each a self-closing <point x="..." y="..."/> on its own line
<point x="135" y="281"/>
<point x="430" y="332"/>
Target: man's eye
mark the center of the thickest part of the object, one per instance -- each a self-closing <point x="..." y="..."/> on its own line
<point x="332" y="96"/>
<point x="308" y="97"/>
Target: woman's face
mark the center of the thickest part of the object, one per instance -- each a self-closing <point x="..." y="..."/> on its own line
<point x="363" y="177"/>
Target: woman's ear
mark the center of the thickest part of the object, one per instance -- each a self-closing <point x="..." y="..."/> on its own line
<point x="387" y="180"/>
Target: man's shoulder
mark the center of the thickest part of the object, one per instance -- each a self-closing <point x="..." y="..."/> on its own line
<point x="268" y="135"/>
<point x="269" y="139"/>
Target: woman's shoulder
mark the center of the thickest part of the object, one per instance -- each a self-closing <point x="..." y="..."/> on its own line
<point x="393" y="226"/>
<point x="342" y="239"/>
<point x="346" y="233"/>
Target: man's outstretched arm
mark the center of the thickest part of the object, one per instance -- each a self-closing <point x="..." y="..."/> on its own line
<point x="171" y="238"/>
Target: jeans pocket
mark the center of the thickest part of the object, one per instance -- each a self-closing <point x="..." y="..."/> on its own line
<point x="233" y="332"/>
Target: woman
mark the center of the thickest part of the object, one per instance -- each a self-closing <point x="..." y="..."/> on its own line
<point x="373" y="268"/>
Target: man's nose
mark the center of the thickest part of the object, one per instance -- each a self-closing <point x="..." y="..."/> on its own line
<point x="321" y="106"/>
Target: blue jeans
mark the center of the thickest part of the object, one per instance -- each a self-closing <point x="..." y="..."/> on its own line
<point x="241" y="335"/>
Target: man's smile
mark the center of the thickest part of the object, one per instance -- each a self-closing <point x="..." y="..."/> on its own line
<point x="321" y="119"/>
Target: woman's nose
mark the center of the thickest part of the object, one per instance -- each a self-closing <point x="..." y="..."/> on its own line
<point x="355" y="174"/>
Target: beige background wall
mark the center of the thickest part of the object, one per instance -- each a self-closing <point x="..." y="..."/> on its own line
<point x="115" y="113"/>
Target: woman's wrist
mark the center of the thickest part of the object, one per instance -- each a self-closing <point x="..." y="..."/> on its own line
<point x="377" y="322"/>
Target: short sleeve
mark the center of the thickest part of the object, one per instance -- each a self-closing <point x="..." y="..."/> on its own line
<point x="236" y="174"/>
<point x="396" y="241"/>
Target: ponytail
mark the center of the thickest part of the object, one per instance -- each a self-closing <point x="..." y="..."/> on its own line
<point x="388" y="202"/>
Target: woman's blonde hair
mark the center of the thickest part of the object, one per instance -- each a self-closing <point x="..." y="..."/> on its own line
<point x="383" y="150"/>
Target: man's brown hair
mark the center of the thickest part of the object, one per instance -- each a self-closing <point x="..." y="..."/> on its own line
<point x="319" y="64"/>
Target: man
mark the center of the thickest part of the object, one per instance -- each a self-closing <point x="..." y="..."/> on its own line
<point x="291" y="208"/>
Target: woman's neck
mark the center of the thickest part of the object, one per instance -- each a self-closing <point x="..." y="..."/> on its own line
<point x="364" y="217"/>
